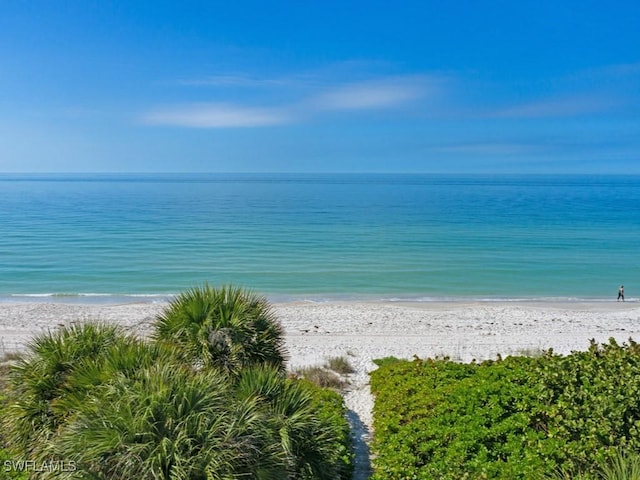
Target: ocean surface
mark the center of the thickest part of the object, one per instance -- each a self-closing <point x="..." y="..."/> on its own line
<point x="113" y="238"/>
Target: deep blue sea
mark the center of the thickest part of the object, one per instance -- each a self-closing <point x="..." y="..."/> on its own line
<point x="419" y="237"/>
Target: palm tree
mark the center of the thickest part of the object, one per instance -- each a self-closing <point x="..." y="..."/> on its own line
<point x="39" y="379"/>
<point x="169" y="422"/>
<point x="227" y="327"/>
<point x="61" y="371"/>
<point x="121" y="359"/>
<point x="306" y="441"/>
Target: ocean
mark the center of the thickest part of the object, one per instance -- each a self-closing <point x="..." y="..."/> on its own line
<point x="120" y="237"/>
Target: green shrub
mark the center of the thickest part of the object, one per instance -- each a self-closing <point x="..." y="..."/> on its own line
<point x="40" y="379"/>
<point x="386" y="361"/>
<point x="517" y="418"/>
<point x="306" y="421"/>
<point x="622" y="466"/>
<point x="228" y="328"/>
<point x="331" y="411"/>
<point x="7" y="457"/>
<point x="166" y="421"/>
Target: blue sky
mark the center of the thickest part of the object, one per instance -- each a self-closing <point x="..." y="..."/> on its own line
<point x="302" y="86"/>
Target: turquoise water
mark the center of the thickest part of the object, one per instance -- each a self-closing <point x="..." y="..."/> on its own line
<point x="421" y="237"/>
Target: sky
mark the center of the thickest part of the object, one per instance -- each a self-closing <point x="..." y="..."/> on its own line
<point x="320" y="86"/>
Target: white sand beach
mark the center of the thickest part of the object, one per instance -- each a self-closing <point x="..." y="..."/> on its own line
<point x="362" y="331"/>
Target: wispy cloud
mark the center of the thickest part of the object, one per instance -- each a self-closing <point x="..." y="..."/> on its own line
<point x="310" y="100"/>
<point x="380" y="94"/>
<point x="239" y="100"/>
<point x="570" y="106"/>
<point x="215" y="115"/>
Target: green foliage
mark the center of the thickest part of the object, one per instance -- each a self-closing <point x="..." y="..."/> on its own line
<point x="517" y="418"/>
<point x="168" y="422"/>
<point x="330" y="410"/>
<point x="6" y="456"/>
<point x="386" y="361"/>
<point x="591" y="401"/>
<point x="39" y="379"/>
<point x="124" y="359"/>
<point x="622" y="466"/>
<point x="306" y="421"/>
<point x="227" y="327"/>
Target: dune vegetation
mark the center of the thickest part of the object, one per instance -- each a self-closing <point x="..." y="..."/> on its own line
<point x="207" y="397"/>
<point x="574" y="417"/>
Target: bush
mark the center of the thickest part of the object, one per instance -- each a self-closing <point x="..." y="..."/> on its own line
<point x="166" y="421"/>
<point x="40" y="379"/>
<point x="517" y="418"/>
<point x="386" y="361"/>
<point x="7" y="457"/>
<point x="228" y="328"/>
<point x="308" y="422"/>
<point x="331" y="411"/>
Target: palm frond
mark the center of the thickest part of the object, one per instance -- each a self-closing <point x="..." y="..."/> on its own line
<point x="41" y="377"/>
<point x="227" y="327"/>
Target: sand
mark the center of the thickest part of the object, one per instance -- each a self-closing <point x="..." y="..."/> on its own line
<point x="362" y="332"/>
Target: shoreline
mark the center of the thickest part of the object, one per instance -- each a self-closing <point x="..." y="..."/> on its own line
<point x="107" y="299"/>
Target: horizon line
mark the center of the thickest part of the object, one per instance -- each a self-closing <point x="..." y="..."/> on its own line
<point x="309" y="173"/>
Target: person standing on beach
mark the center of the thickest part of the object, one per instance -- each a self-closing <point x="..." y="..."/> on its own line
<point x="621" y="293"/>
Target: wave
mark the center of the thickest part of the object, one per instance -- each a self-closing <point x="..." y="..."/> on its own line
<point x="279" y="298"/>
<point x="533" y="299"/>
<point x="410" y="298"/>
<point x="106" y="298"/>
